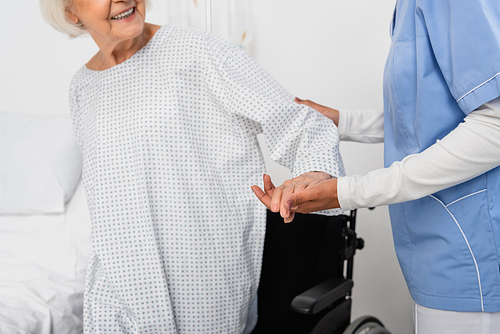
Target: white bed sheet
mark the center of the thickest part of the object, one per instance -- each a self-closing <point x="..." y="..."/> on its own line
<point x="42" y="268"/>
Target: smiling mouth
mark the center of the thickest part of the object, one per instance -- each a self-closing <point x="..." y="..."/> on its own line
<point x="124" y="15"/>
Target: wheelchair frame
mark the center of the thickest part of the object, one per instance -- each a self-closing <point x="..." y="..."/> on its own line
<point x="334" y="294"/>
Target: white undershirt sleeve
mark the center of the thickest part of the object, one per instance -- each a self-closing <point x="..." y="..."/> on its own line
<point x="365" y="126"/>
<point x="470" y="150"/>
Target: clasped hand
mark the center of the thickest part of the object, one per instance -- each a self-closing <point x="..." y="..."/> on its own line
<point x="309" y="192"/>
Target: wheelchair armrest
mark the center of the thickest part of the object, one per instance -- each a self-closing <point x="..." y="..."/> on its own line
<point x="322" y="295"/>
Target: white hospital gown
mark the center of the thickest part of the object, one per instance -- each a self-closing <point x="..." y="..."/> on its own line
<point x="170" y="152"/>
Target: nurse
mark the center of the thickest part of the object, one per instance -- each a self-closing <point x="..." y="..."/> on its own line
<point x="441" y="128"/>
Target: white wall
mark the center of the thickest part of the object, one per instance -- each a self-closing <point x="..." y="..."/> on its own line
<point x="333" y="52"/>
<point x="330" y="51"/>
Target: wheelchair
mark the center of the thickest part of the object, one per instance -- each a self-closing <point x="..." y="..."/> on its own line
<point x="306" y="279"/>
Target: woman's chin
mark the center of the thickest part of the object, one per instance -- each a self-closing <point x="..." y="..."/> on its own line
<point x="130" y="30"/>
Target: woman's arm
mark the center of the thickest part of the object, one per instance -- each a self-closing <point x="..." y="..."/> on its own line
<point x="298" y="137"/>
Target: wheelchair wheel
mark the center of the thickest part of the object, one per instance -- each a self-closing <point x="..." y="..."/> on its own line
<point x="366" y="325"/>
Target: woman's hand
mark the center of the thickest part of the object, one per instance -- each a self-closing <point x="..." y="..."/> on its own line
<point x="295" y="195"/>
<point x="332" y="114"/>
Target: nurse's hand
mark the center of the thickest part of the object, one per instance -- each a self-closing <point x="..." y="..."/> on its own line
<point x="280" y="199"/>
<point x="331" y="113"/>
<point x="320" y="196"/>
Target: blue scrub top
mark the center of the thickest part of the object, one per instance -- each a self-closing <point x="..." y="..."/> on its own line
<point x="444" y="62"/>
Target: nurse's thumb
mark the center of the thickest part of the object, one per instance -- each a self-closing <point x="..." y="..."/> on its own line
<point x="331" y="113"/>
<point x="294" y="202"/>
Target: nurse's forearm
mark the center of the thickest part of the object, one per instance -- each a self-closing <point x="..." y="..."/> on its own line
<point x="365" y="126"/>
<point x="472" y="149"/>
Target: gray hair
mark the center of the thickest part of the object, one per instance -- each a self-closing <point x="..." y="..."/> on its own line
<point x="54" y="12"/>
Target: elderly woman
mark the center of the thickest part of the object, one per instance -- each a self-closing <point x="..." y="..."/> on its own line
<point x="167" y="120"/>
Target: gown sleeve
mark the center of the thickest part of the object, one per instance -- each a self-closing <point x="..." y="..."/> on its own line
<point x="298" y="137"/>
<point x="465" y="38"/>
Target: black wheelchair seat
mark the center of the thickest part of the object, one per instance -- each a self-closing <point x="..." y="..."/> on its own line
<point x="306" y="278"/>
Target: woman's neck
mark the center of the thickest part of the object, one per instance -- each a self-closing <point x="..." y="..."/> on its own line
<point x="111" y="54"/>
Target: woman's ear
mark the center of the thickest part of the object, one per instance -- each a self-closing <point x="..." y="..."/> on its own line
<point x="72" y="17"/>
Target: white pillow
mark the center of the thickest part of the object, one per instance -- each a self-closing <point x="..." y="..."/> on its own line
<point x="40" y="163"/>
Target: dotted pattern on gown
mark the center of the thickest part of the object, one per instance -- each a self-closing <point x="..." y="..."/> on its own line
<point x="170" y="152"/>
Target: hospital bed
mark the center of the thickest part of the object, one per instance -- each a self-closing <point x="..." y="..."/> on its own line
<point x="43" y="258"/>
<point x="45" y="243"/>
<point x="44" y="226"/>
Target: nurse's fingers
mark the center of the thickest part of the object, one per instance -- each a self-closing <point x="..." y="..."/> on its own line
<point x="289" y="188"/>
<point x="290" y="218"/>
<point x="276" y="199"/>
<point x="306" y="202"/>
<point x="331" y="113"/>
<point x="311" y="104"/>
<point x="287" y="191"/>
<point x="322" y="196"/>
